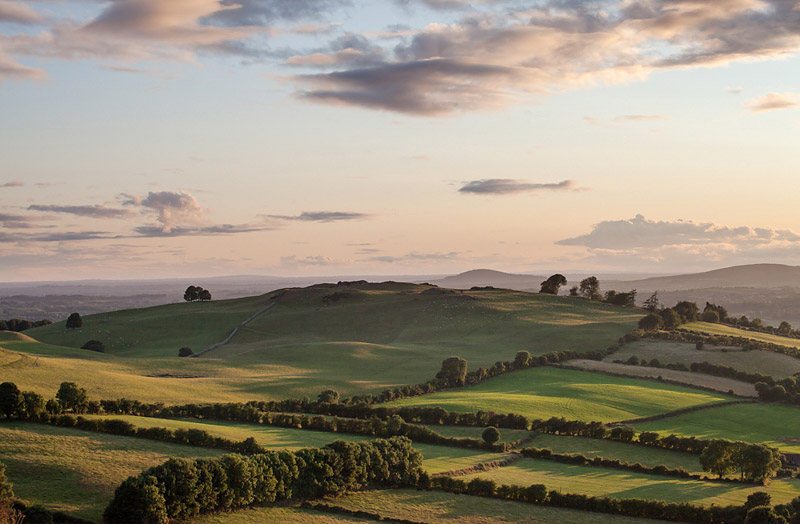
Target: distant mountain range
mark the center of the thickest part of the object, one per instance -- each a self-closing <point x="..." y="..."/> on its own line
<point x="489" y="277"/>
<point x="753" y="275"/>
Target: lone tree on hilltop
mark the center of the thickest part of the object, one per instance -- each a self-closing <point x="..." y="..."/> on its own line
<point x="195" y="293"/>
<point x="74" y="321"/>
<point x="590" y="288"/>
<point x="552" y="284"/>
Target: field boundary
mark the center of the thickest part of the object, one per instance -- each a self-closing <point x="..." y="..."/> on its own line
<point x="233" y="333"/>
<point x="483" y="466"/>
<point x="682" y="411"/>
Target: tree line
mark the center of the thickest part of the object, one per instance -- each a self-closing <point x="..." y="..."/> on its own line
<point x="181" y="489"/>
<point x="17" y="324"/>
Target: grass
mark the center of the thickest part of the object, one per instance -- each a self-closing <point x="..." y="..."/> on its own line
<point x="553" y="392"/>
<point x="757" y="423"/>
<point x="668" y="352"/>
<point x="380" y="336"/>
<point x="619" y="484"/>
<point x="76" y="471"/>
<point x="684" y="377"/>
<point x="279" y="515"/>
<point x="506" y="435"/>
<point x="436" y="458"/>
<point x="444" y="508"/>
<point x="632" y="453"/>
<point x="722" y="329"/>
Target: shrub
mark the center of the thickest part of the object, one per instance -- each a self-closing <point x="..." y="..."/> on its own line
<point x="94" y="345"/>
<point x="185" y="352"/>
<point x="490" y="435"/>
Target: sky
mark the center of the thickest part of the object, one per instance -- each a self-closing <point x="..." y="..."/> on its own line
<point x="146" y="138"/>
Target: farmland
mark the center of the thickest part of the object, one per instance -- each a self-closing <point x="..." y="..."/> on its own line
<point x="721" y="329"/>
<point x="578" y="395"/>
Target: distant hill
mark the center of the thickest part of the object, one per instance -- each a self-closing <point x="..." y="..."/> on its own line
<point x="753" y="275"/>
<point x="489" y="277"/>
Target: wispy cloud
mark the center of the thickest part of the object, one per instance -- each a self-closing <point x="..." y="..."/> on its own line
<point x="321" y="216"/>
<point x="773" y="101"/>
<point x="388" y="259"/>
<point x="505" y="186"/>
<point x="94" y="211"/>
<point x="319" y="260"/>
<point x="13" y="183"/>
<point x="18" y="13"/>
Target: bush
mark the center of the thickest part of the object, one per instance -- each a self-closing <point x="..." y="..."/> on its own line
<point x="94" y="345"/>
<point x="490" y="435"/>
<point x="185" y="352"/>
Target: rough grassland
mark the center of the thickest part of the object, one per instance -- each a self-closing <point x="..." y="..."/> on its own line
<point x="378" y="336"/>
<point x="552" y="392"/>
<point x="273" y="516"/>
<point x="444" y="508"/>
<point x="620" y="484"/>
<point x="749" y="422"/>
<point x="436" y="458"/>
<point x="722" y="329"/>
<point x="590" y="447"/>
<point x="77" y="471"/>
<point x="720" y="384"/>
<point x="668" y="352"/>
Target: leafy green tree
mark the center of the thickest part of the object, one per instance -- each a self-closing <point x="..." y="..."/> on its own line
<point x="74" y="321"/>
<point x="70" y="396"/>
<point x="553" y="284"/>
<point x="454" y="371"/>
<point x="651" y="322"/>
<point x="670" y="317"/>
<point x="137" y="500"/>
<point x="204" y="295"/>
<point x="491" y="435"/>
<point x="522" y="359"/>
<point x="687" y="310"/>
<point x="718" y="458"/>
<point x="34" y="405"/>
<point x="330" y="396"/>
<point x="759" y="462"/>
<point x="94" y="345"/>
<point x="590" y="288"/>
<point x="784" y="328"/>
<point x="11" y="399"/>
<point x="191" y="294"/>
<point x="185" y="352"/>
<point x="573" y="291"/>
<point x="763" y="515"/>
<point x="758" y="498"/>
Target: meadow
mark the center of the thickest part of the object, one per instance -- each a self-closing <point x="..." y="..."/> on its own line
<point x="546" y="392"/>
<point x="722" y="329"/>
<point x="668" y="352"/>
<point x="765" y="423"/>
<point x="380" y="336"/>
<point x="596" y="481"/>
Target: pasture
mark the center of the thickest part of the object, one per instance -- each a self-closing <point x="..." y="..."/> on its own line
<point x="668" y="352"/>
<point x="546" y="392"/>
<point x="775" y="425"/>
<point x="595" y="481"/>
<point x="722" y="329"/>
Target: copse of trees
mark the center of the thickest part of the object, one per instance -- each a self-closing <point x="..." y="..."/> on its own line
<point x="72" y="397"/>
<point x="196" y="293"/>
<point x="24" y="405"/>
<point x="181" y="489"/>
<point x="553" y="284"/>
<point x="94" y="345"/>
<point x="755" y="462"/>
<point x="590" y="288"/>
<point x="453" y="372"/>
<point x="16" y="324"/>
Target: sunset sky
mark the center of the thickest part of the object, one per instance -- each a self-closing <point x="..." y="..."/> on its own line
<point x="155" y="138"/>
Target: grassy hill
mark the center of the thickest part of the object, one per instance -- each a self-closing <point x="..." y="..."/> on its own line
<point x="722" y="329"/>
<point x="577" y="395"/>
<point x="357" y="339"/>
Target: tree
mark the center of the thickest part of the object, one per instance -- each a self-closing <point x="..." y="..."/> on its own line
<point x="763" y="515"/>
<point x="72" y="397"/>
<point x="185" y="352"/>
<point x="74" y="321"/>
<point x="490" y="435"/>
<point x="717" y="457"/>
<point x="522" y="359"/>
<point x="758" y="498"/>
<point x="33" y="405"/>
<point x="573" y="291"/>
<point x="721" y="311"/>
<point x="590" y="288"/>
<point x="454" y="371"/>
<point x="651" y="322"/>
<point x="11" y="399"/>
<point x="652" y="304"/>
<point x="759" y="462"/>
<point x="204" y="295"/>
<point x="670" y="317"/>
<point x="553" y="284"/>
<point x="784" y="328"/>
<point x="191" y="294"/>
<point x="7" y="512"/>
<point x="331" y="396"/>
<point x="687" y="310"/>
<point x="710" y="316"/>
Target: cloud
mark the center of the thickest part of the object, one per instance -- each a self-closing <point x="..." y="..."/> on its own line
<point x="415" y="257"/>
<point x="13" y="183"/>
<point x="236" y="13"/>
<point x="18" y="13"/>
<point x="773" y="101"/>
<point x="95" y="211"/>
<point x="293" y="261"/>
<point x="181" y="231"/>
<point x="321" y="216"/>
<point x="504" y="186"/>
<point x="15" y="221"/>
<point x="504" y="52"/>
<point x="734" y="90"/>
<point x="639" y="232"/>
<point x="172" y="208"/>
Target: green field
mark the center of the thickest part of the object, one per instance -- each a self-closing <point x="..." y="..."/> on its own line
<point x="590" y="447"/>
<point x="621" y="484"/>
<point x="722" y="329"/>
<point x="506" y="435"/>
<point x="578" y="395"/>
<point x="436" y="458"/>
<point x="757" y="423"/>
<point x="667" y="352"/>
<point x="379" y="336"/>
<point x="280" y="515"/>
<point x="444" y="508"/>
<point x="76" y="471"/>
